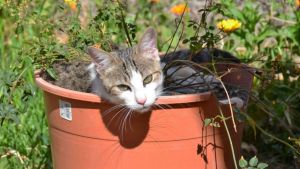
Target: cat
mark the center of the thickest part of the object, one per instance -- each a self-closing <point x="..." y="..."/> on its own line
<point x="131" y="77"/>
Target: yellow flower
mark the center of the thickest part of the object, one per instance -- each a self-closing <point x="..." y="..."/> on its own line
<point x="179" y="9"/>
<point x="229" y="25"/>
<point x="72" y="4"/>
<point x="297" y="3"/>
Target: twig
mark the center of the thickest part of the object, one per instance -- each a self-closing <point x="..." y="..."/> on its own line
<point x="230" y="106"/>
<point x="212" y="73"/>
<point x="189" y="85"/>
<point x="265" y="109"/>
<point x="270" y="135"/>
<point x="181" y="34"/>
<point x="124" y="24"/>
<point x="227" y="72"/>
<point x="229" y="137"/>
<point x="180" y="20"/>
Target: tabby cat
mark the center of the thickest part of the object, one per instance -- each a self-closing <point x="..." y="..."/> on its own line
<point x="130" y="77"/>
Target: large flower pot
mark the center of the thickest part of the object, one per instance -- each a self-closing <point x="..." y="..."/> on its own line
<point x="85" y="136"/>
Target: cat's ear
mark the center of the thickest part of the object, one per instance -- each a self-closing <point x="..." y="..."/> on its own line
<point x="100" y="58"/>
<point x="147" y="45"/>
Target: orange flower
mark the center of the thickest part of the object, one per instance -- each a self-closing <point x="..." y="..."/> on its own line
<point x="179" y="9"/>
<point x="72" y="4"/>
<point x="297" y="3"/>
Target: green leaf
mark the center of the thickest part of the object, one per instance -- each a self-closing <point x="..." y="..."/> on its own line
<point x="242" y="162"/>
<point x="207" y="122"/>
<point x="253" y="161"/>
<point x="19" y="29"/>
<point x="51" y="73"/>
<point x="262" y="165"/>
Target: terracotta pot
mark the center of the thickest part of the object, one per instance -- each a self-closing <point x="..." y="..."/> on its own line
<point x="82" y="137"/>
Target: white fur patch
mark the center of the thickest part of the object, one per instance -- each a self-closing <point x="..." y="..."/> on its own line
<point x="92" y="69"/>
<point x="150" y="92"/>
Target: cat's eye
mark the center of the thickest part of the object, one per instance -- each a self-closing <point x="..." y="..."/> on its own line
<point x="148" y="79"/>
<point x="123" y="87"/>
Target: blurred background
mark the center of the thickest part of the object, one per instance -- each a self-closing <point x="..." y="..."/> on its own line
<point x="34" y="33"/>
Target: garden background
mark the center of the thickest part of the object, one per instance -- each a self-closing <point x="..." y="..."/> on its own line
<point x="32" y="34"/>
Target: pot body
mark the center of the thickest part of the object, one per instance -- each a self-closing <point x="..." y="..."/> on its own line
<point x="88" y="133"/>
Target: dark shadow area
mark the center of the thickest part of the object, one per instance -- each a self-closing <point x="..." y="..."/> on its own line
<point x="131" y="128"/>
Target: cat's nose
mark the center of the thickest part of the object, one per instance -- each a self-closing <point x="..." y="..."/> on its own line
<point x="141" y="101"/>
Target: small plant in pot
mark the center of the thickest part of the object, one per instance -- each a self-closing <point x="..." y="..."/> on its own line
<point x="134" y="108"/>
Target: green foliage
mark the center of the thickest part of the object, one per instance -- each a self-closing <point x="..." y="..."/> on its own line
<point x="252" y="164"/>
<point x="28" y="42"/>
<point x="214" y="122"/>
<point x="23" y="130"/>
<point x="271" y="44"/>
<point x="205" y="35"/>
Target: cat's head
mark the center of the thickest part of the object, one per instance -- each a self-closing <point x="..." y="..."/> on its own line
<point x="132" y="76"/>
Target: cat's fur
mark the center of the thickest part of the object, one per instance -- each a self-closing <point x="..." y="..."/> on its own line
<point x="131" y="77"/>
<point x="72" y="75"/>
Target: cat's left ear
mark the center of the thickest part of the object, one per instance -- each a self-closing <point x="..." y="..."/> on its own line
<point x="147" y="45"/>
<point x="99" y="57"/>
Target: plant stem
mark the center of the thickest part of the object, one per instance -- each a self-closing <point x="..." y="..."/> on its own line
<point x="270" y="135"/>
<point x="180" y="20"/>
<point x="229" y="137"/>
<point x="230" y="106"/>
<point x="124" y="24"/>
<point x="181" y="34"/>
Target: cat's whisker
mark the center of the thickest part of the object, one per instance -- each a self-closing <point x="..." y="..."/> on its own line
<point x="158" y="106"/>
<point x="125" y="119"/>
<point x="121" y="110"/>
<point x="106" y="112"/>
<point x="131" y="114"/>
<point x="163" y="106"/>
<point x="122" y="126"/>
<point x="167" y="105"/>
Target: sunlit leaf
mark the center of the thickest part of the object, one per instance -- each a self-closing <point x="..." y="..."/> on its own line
<point x="207" y="122"/>
<point x="253" y="161"/>
<point x="262" y="165"/>
<point x="242" y="162"/>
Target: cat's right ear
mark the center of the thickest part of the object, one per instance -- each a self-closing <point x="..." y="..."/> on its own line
<point x="100" y="58"/>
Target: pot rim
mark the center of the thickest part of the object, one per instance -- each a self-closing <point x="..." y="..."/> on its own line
<point x="90" y="97"/>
